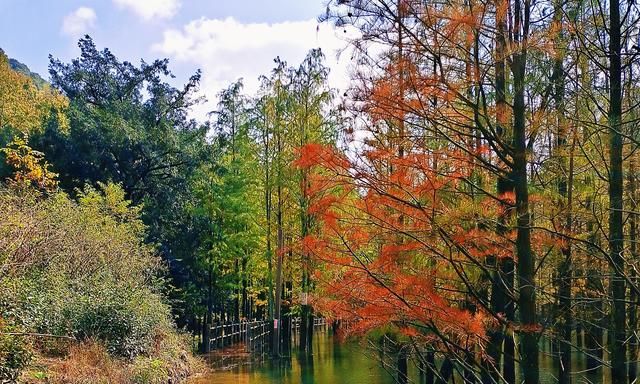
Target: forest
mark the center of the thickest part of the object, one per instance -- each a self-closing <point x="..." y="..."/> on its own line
<point x="468" y="206"/>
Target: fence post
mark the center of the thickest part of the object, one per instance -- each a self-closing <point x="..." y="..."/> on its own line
<point x="246" y="336"/>
<point x="262" y="339"/>
<point x="224" y="335"/>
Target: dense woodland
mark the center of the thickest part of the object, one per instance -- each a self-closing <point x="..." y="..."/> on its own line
<point x="471" y="198"/>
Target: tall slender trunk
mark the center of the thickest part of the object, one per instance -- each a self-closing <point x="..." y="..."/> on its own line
<point x="503" y="277"/>
<point x="565" y="190"/>
<point x="306" y="313"/>
<point x="564" y="292"/>
<point x="616" y="236"/>
<point x="594" y="287"/>
<point x="277" y="325"/>
<point x="431" y="368"/>
<point x="278" y="299"/>
<point x="509" y="352"/>
<point x="237" y="298"/>
<point x="634" y="299"/>
<point x="526" y="258"/>
<point x="206" y="328"/>
<point x="245" y="298"/>
<point x="267" y="205"/>
<point x="403" y="373"/>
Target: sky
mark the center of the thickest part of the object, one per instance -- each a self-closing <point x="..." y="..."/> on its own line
<point x="226" y="39"/>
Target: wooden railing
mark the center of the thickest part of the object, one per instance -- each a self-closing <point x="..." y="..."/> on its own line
<point x="248" y="332"/>
<point x="254" y="334"/>
<point x="317" y="322"/>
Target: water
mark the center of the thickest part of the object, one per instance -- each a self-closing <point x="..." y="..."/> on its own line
<point x="339" y="363"/>
<point x="331" y="363"/>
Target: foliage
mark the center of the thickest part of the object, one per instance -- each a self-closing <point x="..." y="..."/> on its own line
<point x="30" y="168"/>
<point x="26" y="107"/>
<point x="17" y="66"/>
<point x="15" y="352"/>
<point x="145" y="143"/>
<point x="81" y="270"/>
<point x="128" y="126"/>
<point x="169" y="361"/>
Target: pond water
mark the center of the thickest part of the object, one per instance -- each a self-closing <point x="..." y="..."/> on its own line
<point x="332" y="363"/>
<point x="345" y="363"/>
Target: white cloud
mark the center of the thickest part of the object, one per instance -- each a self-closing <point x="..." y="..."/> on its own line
<point x="79" y="22"/>
<point x="150" y="9"/>
<point x="227" y="49"/>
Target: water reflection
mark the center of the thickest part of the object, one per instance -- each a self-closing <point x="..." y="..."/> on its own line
<point x="331" y="363"/>
<point x="336" y="363"/>
<point x="306" y="371"/>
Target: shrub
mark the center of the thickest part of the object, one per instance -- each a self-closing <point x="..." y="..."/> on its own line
<point x="15" y="353"/>
<point x="148" y="370"/>
<point x="167" y="361"/>
<point x="123" y="320"/>
<point x="82" y="269"/>
<point x="170" y="359"/>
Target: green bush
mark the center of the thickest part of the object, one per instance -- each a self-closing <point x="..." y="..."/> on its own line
<point x="121" y="319"/>
<point x="79" y="269"/>
<point x="120" y="316"/>
<point x="148" y="370"/>
<point x="15" y="353"/>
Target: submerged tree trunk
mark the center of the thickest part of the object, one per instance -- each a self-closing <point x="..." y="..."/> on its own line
<point x="403" y="375"/>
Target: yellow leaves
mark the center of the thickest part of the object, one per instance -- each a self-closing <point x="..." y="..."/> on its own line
<point x="30" y="167"/>
<point x="23" y="106"/>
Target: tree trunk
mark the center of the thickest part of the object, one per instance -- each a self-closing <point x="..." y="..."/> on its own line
<point x="526" y="259"/>
<point x="616" y="236"/>
<point x="431" y="368"/>
<point x="634" y="300"/>
<point x="277" y="323"/>
<point x="502" y="280"/>
<point x="403" y="376"/>
<point x="277" y="318"/>
<point x="267" y="205"/>
<point x="306" y="314"/>
<point x="565" y="190"/>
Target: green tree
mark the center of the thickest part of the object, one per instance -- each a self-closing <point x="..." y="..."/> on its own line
<point x="129" y="126"/>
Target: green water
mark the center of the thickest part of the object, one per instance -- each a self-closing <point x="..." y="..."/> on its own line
<point x="331" y="363"/>
<point x="339" y="363"/>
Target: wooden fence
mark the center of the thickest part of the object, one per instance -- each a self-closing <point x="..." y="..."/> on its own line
<point x="255" y="335"/>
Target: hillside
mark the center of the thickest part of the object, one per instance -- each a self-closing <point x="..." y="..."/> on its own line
<point x="24" y="69"/>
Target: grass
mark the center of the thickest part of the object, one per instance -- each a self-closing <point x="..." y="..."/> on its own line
<point x="169" y="361"/>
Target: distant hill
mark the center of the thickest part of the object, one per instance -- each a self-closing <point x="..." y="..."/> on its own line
<point x="22" y="68"/>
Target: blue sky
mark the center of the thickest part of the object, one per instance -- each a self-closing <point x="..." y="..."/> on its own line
<point x="227" y="39"/>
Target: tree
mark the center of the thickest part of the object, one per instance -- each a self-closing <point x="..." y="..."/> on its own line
<point x="128" y="126"/>
<point x="311" y="102"/>
<point x="463" y="94"/>
<point x="24" y="106"/>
